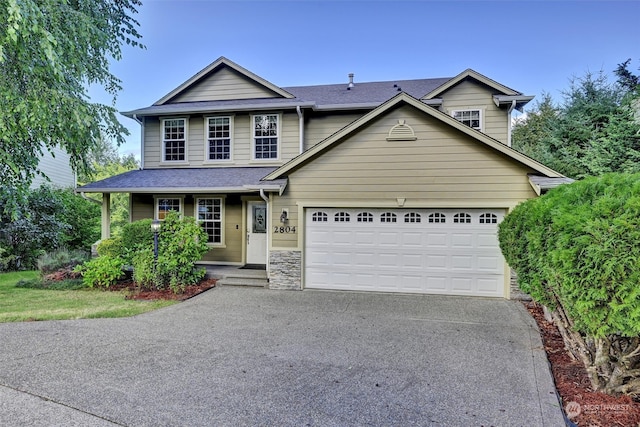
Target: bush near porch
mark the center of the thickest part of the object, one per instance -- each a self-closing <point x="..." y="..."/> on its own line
<point x="181" y="243"/>
<point x="577" y="251"/>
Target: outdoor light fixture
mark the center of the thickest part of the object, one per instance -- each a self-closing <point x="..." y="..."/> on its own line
<point x="284" y="216"/>
<point x="155" y="227"/>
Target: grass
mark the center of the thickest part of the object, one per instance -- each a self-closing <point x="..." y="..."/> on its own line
<point x="28" y="304"/>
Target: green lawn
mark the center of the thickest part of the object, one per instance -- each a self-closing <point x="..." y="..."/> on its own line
<point x="24" y="304"/>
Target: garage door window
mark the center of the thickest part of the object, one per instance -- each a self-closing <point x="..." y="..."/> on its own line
<point x="319" y="217"/>
<point x="342" y="217"/>
<point x="488" y="218"/>
<point x="365" y="217"/>
<point x="412" y="217"/>
<point x="462" y="218"/>
<point x="437" y="218"/>
<point x="388" y="217"/>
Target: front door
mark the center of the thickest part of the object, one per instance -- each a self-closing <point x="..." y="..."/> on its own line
<point x="256" y="233"/>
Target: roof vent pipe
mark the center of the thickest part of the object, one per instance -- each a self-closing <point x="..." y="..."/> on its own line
<point x="350" y="81"/>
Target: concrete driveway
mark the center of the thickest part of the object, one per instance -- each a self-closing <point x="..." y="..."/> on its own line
<point x="246" y="356"/>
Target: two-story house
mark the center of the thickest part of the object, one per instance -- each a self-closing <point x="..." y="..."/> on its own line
<point x="394" y="186"/>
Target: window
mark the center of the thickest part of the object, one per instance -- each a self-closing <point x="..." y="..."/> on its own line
<point x="219" y="138"/>
<point x="388" y="217"/>
<point x="412" y="217"/>
<point x="437" y="218"/>
<point x="470" y="118"/>
<point x="209" y="216"/>
<point x="174" y="140"/>
<point x="265" y="137"/>
<point x="342" y="217"/>
<point x="166" y="205"/>
<point x="462" y="218"/>
<point x="365" y="217"/>
<point x="488" y="218"/>
<point x="319" y="217"/>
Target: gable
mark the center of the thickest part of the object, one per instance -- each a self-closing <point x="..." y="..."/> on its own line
<point x="422" y="108"/>
<point x="223" y="80"/>
<point x="224" y="84"/>
<point x="438" y="164"/>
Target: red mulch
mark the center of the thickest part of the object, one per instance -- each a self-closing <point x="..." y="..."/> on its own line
<point x="140" y="294"/>
<point x="583" y="406"/>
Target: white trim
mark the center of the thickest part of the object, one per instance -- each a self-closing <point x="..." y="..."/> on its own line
<point x="186" y="142"/>
<point x="253" y="137"/>
<point x="480" y="111"/>
<point x="222" y="198"/>
<point x="205" y="132"/>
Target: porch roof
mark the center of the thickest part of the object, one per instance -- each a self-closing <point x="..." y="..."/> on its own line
<point x="188" y="180"/>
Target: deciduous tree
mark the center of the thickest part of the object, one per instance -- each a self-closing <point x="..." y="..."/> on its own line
<point x="51" y="51"/>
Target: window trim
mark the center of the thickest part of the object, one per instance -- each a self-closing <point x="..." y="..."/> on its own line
<point x="278" y="137"/>
<point x="206" y="139"/>
<point x="480" y="116"/>
<point x="163" y="154"/>
<point x="157" y="198"/>
<point x="222" y="243"/>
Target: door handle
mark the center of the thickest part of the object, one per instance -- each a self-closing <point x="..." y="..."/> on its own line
<point x="248" y="238"/>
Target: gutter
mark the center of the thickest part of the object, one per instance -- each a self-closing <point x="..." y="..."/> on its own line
<point x="300" y="127"/>
<point x="509" y="124"/>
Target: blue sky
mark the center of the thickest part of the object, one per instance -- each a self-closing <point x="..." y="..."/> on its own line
<point x="530" y="46"/>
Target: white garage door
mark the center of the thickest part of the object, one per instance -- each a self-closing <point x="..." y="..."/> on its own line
<point x="435" y="251"/>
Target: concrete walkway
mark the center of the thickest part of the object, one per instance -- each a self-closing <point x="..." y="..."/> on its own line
<point x="249" y="356"/>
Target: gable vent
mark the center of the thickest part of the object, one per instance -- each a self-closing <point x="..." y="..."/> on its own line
<point x="401" y="132"/>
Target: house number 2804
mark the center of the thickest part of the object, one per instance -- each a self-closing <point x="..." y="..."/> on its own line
<point x="284" y="229"/>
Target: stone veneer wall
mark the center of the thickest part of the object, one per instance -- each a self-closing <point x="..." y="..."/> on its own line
<point x="285" y="270"/>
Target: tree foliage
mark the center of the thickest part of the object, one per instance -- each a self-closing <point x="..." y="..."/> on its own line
<point x="51" y="51"/>
<point x="577" y="250"/>
<point x="594" y="130"/>
<point x="105" y="162"/>
<point x="47" y="220"/>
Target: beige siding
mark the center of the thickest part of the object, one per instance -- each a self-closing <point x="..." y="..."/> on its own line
<point x="470" y="95"/>
<point x="223" y="84"/>
<point x="319" y="127"/>
<point x="57" y="169"/>
<point x="143" y="207"/>
<point x="241" y="143"/>
<point x="442" y="168"/>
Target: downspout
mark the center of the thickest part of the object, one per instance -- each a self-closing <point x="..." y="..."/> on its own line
<point x="266" y="200"/>
<point x="300" y="127"/>
<point x="135" y="117"/>
<point x="509" y="124"/>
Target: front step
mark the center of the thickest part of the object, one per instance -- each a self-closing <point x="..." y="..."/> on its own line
<point x="242" y="281"/>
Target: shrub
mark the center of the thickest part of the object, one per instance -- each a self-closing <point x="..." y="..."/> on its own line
<point x="182" y="243"/>
<point x="101" y="272"/>
<point x="577" y="250"/>
<point x="61" y="259"/>
<point x="136" y="236"/>
<point x="110" y="247"/>
<point x="144" y="274"/>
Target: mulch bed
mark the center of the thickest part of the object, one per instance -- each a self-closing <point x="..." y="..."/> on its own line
<point x="583" y="406"/>
<point x="135" y="293"/>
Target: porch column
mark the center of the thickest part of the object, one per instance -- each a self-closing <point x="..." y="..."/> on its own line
<point x="106" y="216"/>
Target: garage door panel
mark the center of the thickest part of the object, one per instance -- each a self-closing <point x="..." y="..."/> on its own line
<point x="440" y="257"/>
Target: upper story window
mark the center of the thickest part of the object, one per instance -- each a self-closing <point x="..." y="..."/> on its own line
<point x="265" y="136"/>
<point x="218" y="138"/>
<point x="470" y="118"/>
<point x="209" y="216"/>
<point x="166" y="205"/>
<point x="174" y="142"/>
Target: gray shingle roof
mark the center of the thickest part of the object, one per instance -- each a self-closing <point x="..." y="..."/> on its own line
<point x="362" y="95"/>
<point x="194" y="180"/>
